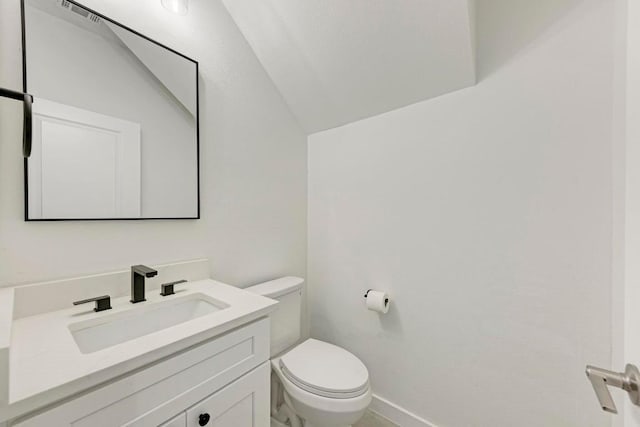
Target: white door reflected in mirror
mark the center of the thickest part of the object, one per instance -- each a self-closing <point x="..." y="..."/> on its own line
<point x="83" y="164"/>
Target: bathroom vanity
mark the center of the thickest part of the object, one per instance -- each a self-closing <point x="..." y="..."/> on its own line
<point x="197" y="357"/>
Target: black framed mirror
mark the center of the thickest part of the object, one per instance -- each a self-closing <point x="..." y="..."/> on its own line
<point x="115" y="119"/>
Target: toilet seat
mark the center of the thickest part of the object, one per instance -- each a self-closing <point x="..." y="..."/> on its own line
<point x="325" y="370"/>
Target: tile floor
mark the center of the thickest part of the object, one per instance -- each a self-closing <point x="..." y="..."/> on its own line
<point x="369" y="420"/>
<point x="374" y="420"/>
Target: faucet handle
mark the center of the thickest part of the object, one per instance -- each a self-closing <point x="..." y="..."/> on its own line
<point x="167" y="288"/>
<point x="102" y="303"/>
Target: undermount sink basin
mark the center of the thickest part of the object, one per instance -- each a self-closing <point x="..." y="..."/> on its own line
<point x="109" y="330"/>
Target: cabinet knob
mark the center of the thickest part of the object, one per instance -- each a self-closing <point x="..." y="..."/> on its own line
<point x="203" y="419"/>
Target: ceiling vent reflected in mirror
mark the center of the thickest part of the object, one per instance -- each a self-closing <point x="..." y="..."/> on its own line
<point x="80" y="11"/>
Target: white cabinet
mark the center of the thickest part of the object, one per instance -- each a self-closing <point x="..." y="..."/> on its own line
<point x="243" y="403"/>
<point x="227" y="377"/>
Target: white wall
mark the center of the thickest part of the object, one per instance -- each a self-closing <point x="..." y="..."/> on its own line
<point x="253" y="170"/>
<point x="626" y="293"/>
<point x="487" y="214"/>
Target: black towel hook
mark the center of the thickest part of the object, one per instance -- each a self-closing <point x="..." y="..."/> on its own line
<point x="27" y="100"/>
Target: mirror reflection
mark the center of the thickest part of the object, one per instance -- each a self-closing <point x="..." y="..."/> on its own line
<point x="101" y="149"/>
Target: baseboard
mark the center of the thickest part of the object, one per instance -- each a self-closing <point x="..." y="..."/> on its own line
<point x="396" y="414"/>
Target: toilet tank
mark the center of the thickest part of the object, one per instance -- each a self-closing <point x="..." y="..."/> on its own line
<point x="286" y="319"/>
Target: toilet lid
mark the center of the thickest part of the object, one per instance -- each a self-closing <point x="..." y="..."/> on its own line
<point x="325" y="369"/>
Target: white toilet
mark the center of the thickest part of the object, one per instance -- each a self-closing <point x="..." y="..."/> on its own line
<point x="316" y="384"/>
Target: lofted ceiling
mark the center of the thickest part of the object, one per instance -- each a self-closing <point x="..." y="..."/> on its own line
<point x="338" y="61"/>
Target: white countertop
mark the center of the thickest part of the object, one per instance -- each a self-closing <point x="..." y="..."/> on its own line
<point x="46" y="365"/>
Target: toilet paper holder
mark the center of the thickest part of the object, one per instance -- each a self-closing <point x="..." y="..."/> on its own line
<point x="386" y="300"/>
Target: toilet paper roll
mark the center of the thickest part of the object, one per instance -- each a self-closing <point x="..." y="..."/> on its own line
<point x="378" y="301"/>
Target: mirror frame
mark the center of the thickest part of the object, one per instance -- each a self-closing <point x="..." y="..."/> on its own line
<point x="24" y="89"/>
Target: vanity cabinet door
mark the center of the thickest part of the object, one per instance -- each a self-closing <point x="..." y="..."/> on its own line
<point x="243" y="403"/>
<point x="178" y="421"/>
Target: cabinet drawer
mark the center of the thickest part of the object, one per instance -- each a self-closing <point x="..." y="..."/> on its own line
<point x="153" y="395"/>
<point x="243" y="403"/>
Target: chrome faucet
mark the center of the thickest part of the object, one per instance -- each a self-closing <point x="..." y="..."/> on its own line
<point x="138" y="274"/>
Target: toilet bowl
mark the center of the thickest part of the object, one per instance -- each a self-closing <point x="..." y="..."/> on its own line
<point x="324" y="384"/>
<point x="315" y="384"/>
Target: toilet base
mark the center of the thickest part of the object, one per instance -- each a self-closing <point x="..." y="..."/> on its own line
<point x="311" y="425"/>
<point x="276" y="423"/>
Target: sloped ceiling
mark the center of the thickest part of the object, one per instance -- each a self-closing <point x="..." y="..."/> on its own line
<point x="338" y="61"/>
<point x="176" y="73"/>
